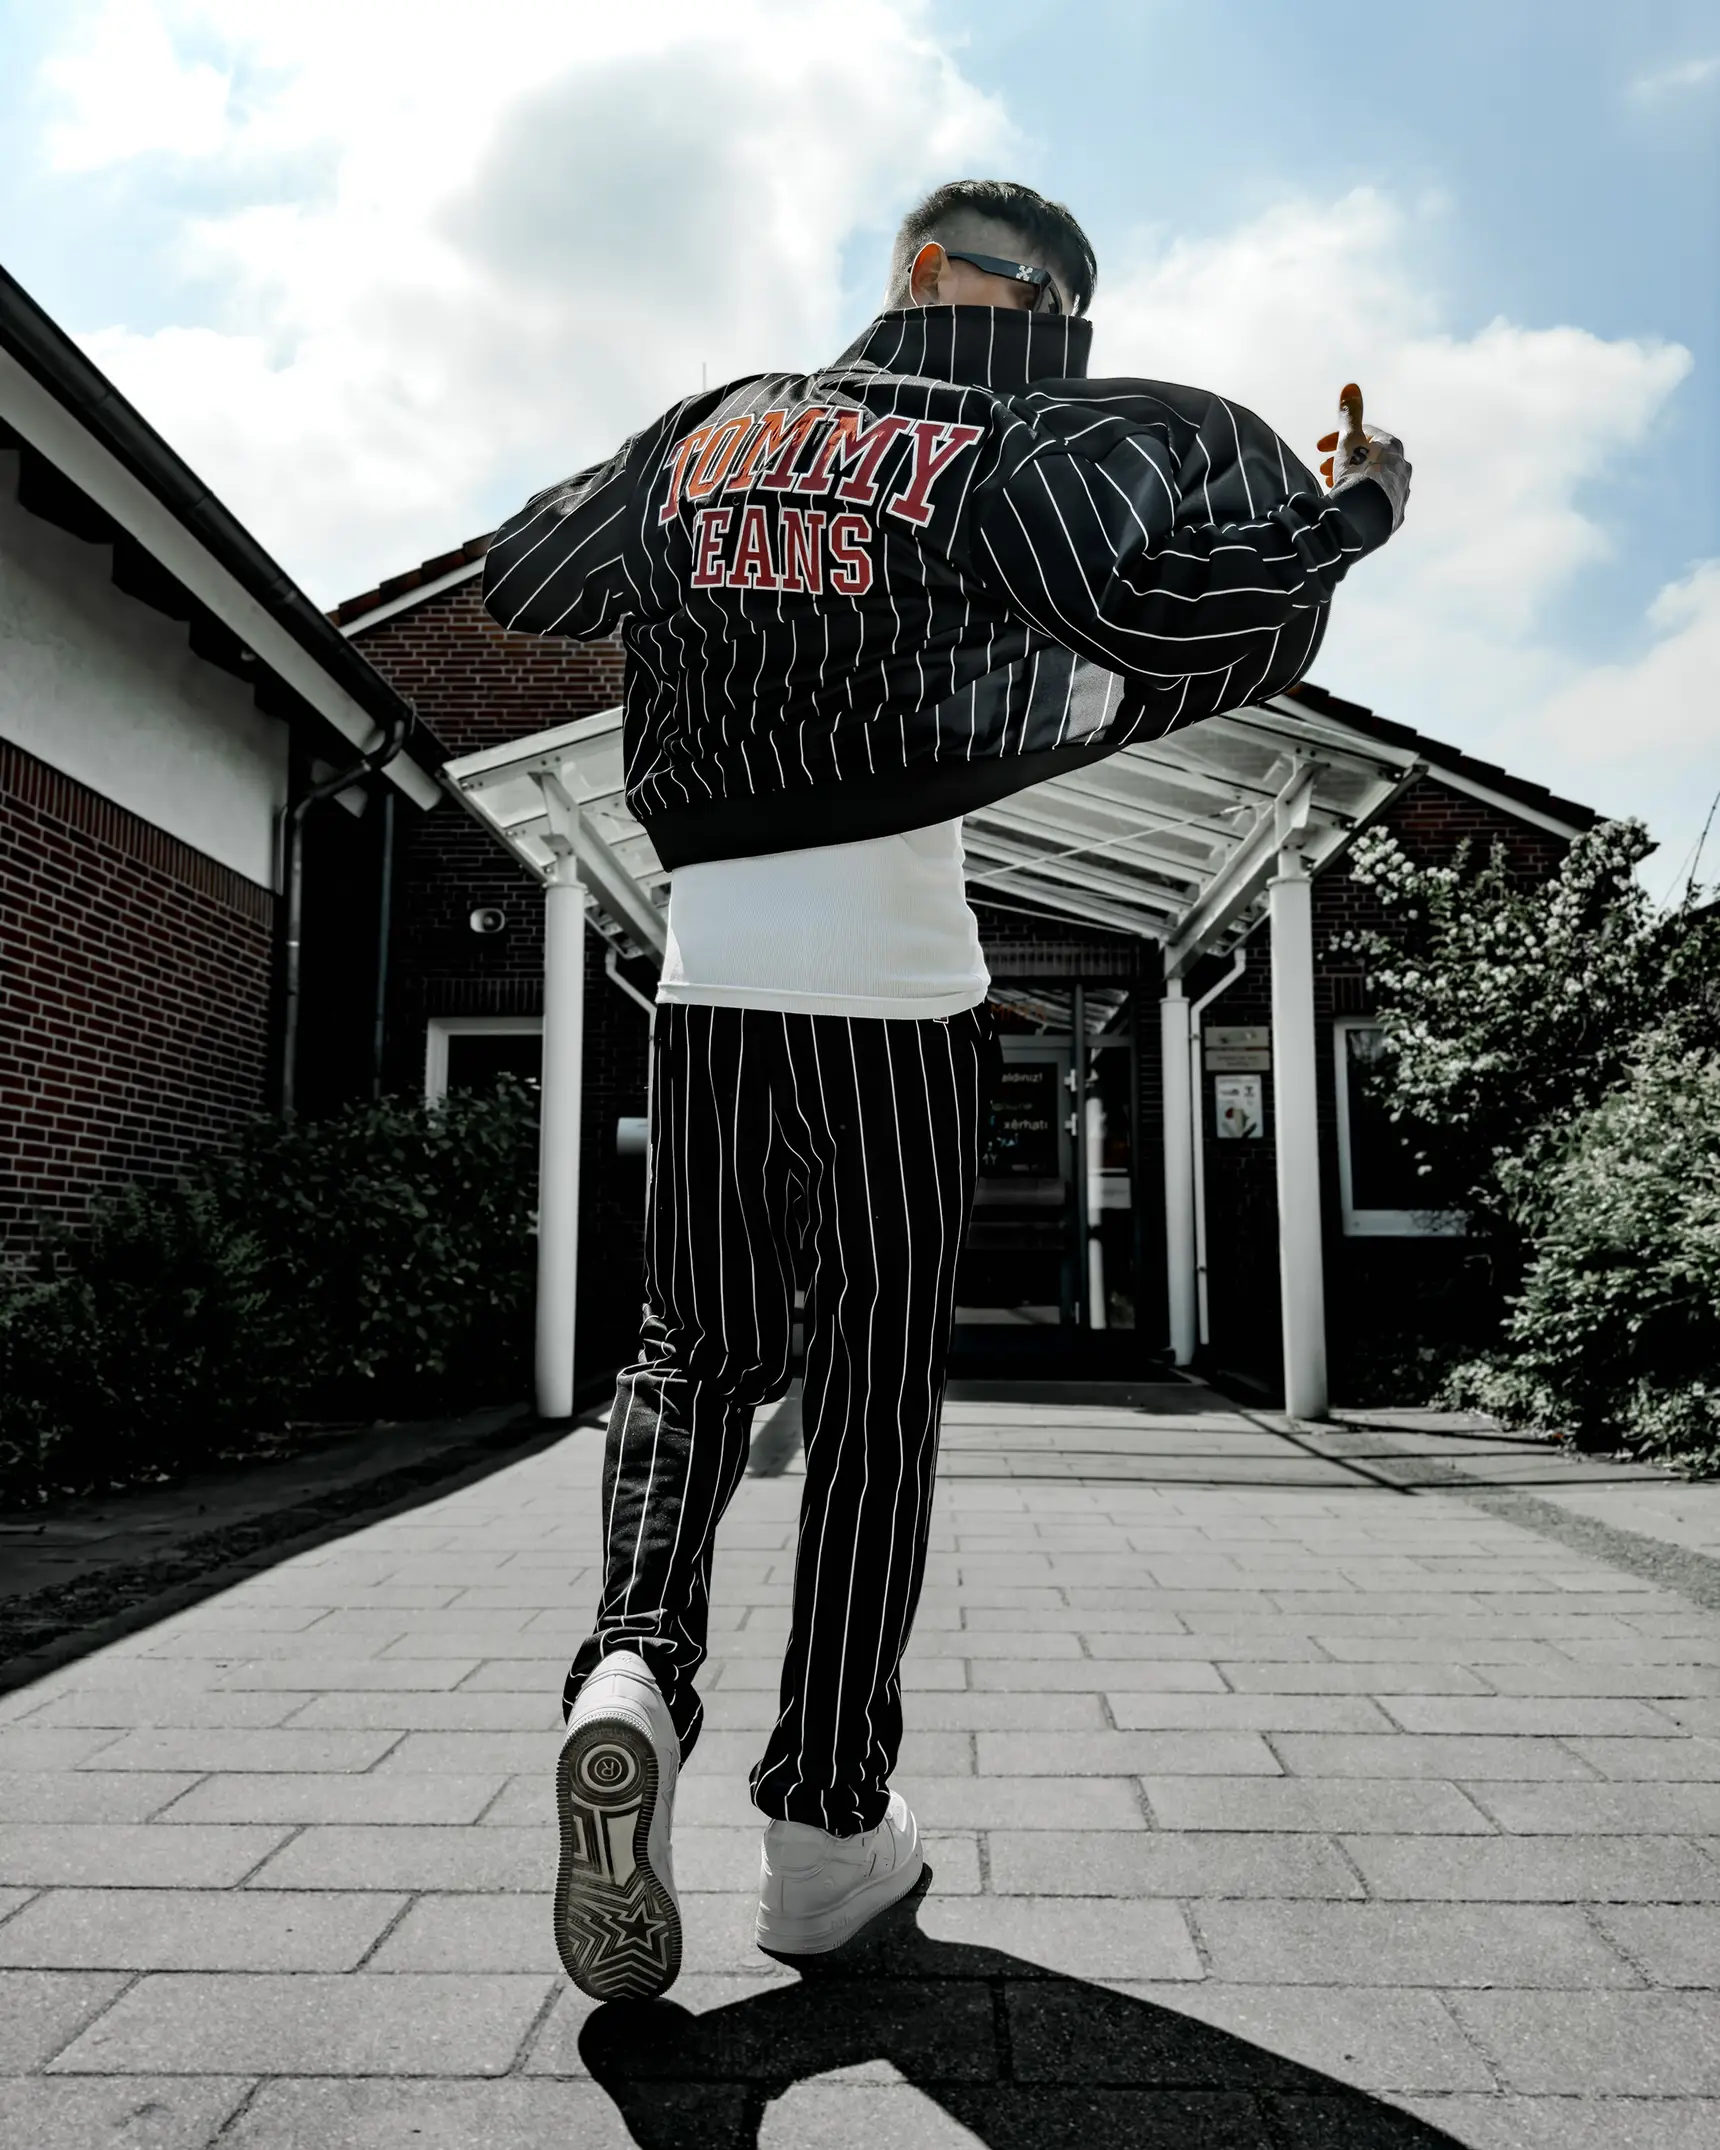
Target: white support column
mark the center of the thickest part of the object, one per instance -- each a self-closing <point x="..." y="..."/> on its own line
<point x="558" y="1155"/>
<point x="1179" y="1171"/>
<point x="1300" y="1246"/>
<point x="1094" y="1142"/>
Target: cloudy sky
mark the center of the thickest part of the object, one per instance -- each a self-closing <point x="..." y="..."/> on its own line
<point x="378" y="270"/>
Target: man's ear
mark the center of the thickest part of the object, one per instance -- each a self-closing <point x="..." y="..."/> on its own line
<point x="924" y="277"/>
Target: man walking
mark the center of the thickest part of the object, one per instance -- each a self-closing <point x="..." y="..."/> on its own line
<point x="856" y="604"/>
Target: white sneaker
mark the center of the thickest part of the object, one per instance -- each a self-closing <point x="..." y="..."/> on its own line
<point x="617" y="1921"/>
<point x="816" y="1891"/>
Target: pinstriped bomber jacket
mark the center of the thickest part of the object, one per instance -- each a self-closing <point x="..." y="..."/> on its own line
<point x="943" y="568"/>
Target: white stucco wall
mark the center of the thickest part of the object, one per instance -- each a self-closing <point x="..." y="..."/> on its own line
<point x="107" y="690"/>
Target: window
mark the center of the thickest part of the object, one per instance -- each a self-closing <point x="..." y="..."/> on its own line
<point x="1383" y="1195"/>
<point x="469" y="1052"/>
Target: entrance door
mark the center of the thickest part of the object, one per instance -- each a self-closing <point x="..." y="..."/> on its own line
<point x="1019" y="1268"/>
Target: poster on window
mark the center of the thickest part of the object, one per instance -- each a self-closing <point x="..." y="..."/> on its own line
<point x="1237" y="1108"/>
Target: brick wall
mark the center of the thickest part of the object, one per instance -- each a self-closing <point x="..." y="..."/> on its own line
<point x="476" y="684"/>
<point x="134" y="998"/>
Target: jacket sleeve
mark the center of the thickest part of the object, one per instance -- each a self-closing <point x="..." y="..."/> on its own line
<point x="559" y="567"/>
<point x="1104" y="536"/>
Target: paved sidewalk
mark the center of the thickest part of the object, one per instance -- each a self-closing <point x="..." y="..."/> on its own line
<point x="1270" y="1802"/>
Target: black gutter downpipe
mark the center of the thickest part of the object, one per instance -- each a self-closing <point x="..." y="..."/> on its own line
<point x="393" y="739"/>
<point x="384" y="929"/>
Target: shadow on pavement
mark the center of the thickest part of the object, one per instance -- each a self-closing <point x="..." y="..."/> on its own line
<point x="1022" y="2058"/>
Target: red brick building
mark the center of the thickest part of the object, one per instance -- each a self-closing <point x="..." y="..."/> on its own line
<point x="167" y="698"/>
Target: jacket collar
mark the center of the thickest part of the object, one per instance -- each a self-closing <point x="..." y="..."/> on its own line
<point x="986" y="346"/>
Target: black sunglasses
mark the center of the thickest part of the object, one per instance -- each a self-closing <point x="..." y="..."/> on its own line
<point x="1046" y="298"/>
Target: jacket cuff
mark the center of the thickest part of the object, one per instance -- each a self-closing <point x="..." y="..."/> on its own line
<point x="1367" y="511"/>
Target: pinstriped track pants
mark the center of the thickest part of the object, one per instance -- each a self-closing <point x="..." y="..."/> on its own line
<point x="837" y="1154"/>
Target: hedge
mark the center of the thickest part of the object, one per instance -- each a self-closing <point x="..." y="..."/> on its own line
<point x="378" y="1262"/>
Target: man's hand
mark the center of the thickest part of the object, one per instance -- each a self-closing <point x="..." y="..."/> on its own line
<point x="1365" y="451"/>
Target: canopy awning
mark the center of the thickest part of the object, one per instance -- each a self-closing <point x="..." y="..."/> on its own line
<point x="1173" y="839"/>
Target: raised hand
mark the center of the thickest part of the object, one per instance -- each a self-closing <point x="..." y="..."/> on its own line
<point x="1360" y="451"/>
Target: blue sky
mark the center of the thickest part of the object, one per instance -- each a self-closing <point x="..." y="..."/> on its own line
<point x="376" y="275"/>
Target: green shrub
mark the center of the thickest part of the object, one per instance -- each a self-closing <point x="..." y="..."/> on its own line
<point x="139" y="1345"/>
<point x="398" y="1244"/>
<point x="1508" y="1009"/>
<point x="379" y="1262"/>
<point x="1615" y="1334"/>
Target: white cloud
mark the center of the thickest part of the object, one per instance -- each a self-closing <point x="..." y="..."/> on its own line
<point x="1646" y="733"/>
<point x="1668" y="700"/>
<point x="463" y="255"/>
<point x="123" y="91"/>
<point x="1674" y="80"/>
<point x="459" y="253"/>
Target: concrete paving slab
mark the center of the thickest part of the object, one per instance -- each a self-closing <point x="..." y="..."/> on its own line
<point x="121" y="1795"/>
<point x="1389" y="1806"/>
<point x="1671" y="1809"/>
<point x="133" y="1855"/>
<point x="1377" y="2037"/>
<point x="1680" y="1759"/>
<point x="196" y="1930"/>
<point x="1161" y="1863"/>
<point x="536" y="1711"/>
<point x="408" y="1856"/>
<point x="1452" y="1755"/>
<point x="124" y="1707"/>
<point x="1672" y="1944"/>
<point x="1243" y="1713"/>
<point x="371" y="1797"/>
<point x="1521" y="1714"/>
<point x="120" y="2113"/>
<point x="1442" y="1945"/>
<point x="205" y="1749"/>
<point x="262" y="2023"/>
<point x="23" y="1747"/>
<point x="1126" y="1754"/>
<point x="1516" y="2123"/>
<point x="40" y="2011"/>
<point x="332" y="1675"/>
<point x="1522" y="1870"/>
<point x="1111" y="1941"/>
<point x="1636" y="2044"/>
<point x="447" y="2115"/>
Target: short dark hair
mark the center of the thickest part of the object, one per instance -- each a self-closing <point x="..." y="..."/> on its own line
<point x="1054" y="239"/>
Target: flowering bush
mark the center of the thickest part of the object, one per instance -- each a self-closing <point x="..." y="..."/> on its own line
<point x="1615" y="1334"/>
<point x="1549" y="1052"/>
<point x="1507" y="1010"/>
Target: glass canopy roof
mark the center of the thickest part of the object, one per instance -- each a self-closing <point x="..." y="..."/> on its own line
<point x="1173" y="839"/>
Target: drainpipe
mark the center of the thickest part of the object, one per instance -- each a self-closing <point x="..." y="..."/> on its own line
<point x="384" y="933"/>
<point x="1197" y="1098"/>
<point x="1179" y="1171"/>
<point x="393" y="739"/>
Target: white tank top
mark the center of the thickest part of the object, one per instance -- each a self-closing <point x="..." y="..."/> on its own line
<point x="880" y="928"/>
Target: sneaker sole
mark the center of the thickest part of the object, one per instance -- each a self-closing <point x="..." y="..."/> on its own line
<point x="792" y="1943"/>
<point x="617" y="1927"/>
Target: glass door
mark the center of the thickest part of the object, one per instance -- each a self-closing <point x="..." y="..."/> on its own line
<point x="1019" y="1268"/>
